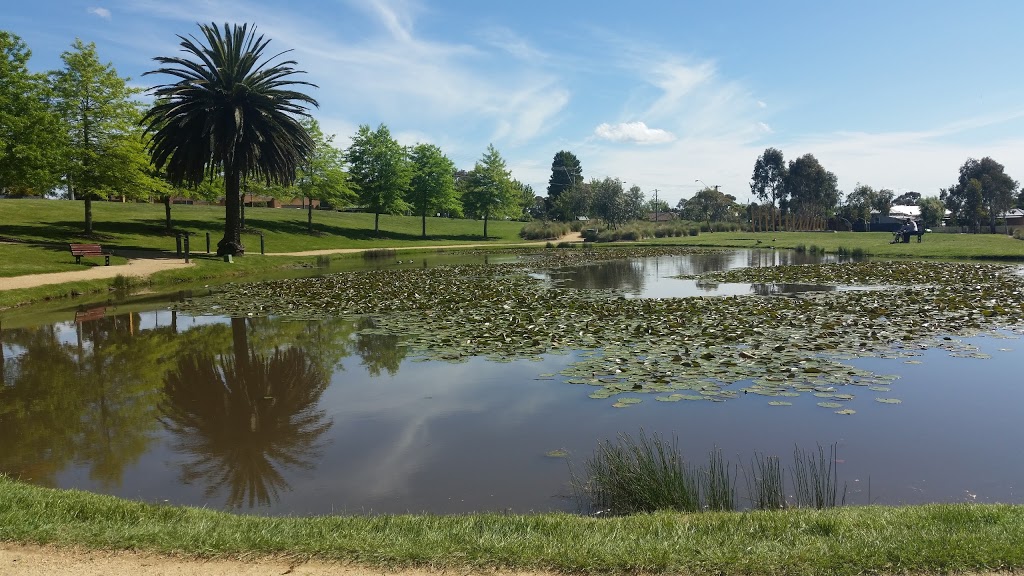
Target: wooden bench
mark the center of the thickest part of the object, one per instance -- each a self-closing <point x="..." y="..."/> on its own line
<point x="90" y="314"/>
<point x="79" y="250"/>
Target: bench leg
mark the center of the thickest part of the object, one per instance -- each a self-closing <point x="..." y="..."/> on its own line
<point x="78" y="259"/>
<point x="107" y="258"/>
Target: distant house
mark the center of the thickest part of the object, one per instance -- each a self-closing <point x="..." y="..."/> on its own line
<point x="1013" y="218"/>
<point x="661" y="216"/>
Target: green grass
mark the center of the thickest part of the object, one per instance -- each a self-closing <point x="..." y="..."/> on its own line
<point x="841" y="541"/>
<point x="141" y="226"/>
<point x="939" y="246"/>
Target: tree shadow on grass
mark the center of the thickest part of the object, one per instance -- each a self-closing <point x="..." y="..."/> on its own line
<point x="299" y="228"/>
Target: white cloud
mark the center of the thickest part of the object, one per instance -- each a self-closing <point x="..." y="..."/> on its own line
<point x="101" y="12"/>
<point x="635" y="132"/>
<point x="761" y="104"/>
<point x="764" y="127"/>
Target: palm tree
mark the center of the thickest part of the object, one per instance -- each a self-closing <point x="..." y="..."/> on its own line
<point x="230" y="112"/>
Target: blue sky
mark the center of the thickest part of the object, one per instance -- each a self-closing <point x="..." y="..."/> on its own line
<point x="893" y="94"/>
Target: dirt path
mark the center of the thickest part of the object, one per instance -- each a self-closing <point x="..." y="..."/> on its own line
<point x="16" y="559"/>
<point x="144" y="265"/>
<point x="138" y="267"/>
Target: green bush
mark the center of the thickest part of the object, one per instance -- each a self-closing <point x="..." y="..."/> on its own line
<point x="543" y="229"/>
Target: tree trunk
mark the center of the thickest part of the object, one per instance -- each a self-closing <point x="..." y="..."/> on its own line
<point x="88" y="217"/>
<point x="309" y="218"/>
<point x="486" y="216"/>
<point x="232" y="241"/>
<point x="424" y="232"/>
<point x="241" y="210"/>
<point x="376" y="223"/>
<point x="167" y="212"/>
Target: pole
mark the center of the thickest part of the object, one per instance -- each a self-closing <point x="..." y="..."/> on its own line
<point x="655" y="205"/>
<point x="261" y="244"/>
<point x="207" y="242"/>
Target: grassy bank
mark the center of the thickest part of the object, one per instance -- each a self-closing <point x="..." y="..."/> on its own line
<point x="141" y="226"/>
<point x="919" y="539"/>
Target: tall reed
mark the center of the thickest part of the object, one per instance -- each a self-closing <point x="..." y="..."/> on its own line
<point x="814" y="479"/>
<point x="766" y="483"/>
<point x="719" y="487"/>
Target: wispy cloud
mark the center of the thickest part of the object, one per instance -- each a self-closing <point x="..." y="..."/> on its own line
<point x="101" y="12"/>
<point x="635" y="132"/>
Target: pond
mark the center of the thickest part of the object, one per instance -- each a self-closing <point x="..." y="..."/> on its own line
<point x="457" y="389"/>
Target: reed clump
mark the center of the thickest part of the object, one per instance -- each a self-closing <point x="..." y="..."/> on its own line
<point x="648" y="473"/>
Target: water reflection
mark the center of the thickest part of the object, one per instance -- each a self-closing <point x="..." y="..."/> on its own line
<point x="656" y="277"/>
<point x="90" y="402"/>
<point x="243" y="416"/>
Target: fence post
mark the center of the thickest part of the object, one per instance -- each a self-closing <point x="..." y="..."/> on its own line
<point x="262" y="251"/>
<point x="177" y="244"/>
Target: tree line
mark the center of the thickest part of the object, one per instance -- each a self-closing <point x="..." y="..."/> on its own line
<point x="232" y="121"/>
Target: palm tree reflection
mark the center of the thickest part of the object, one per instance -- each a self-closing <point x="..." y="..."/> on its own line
<point x="244" y="417"/>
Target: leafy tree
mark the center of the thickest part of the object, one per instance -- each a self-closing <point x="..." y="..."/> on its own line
<point x="380" y="172"/>
<point x="609" y="201"/>
<point x="709" y="204"/>
<point x="322" y="176"/>
<point x="883" y="201"/>
<point x="230" y="112"/>
<point x="907" y="199"/>
<point x="525" y="201"/>
<point x="433" y="183"/>
<point x="993" y="192"/>
<point x="566" y="174"/>
<point x="932" y="211"/>
<point x="859" y="203"/>
<point x="658" y="206"/>
<point x="635" y="204"/>
<point x="490" y="187"/>
<point x="575" y="202"/>
<point x="767" y="181"/>
<point x="103" y="153"/>
<point x="813" y="192"/>
<point x="29" y="127"/>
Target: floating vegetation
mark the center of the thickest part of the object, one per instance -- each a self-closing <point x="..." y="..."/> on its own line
<point x="711" y="348"/>
<point x="889" y="400"/>
<point x="557" y="453"/>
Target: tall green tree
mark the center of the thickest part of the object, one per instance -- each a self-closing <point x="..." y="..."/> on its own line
<point x="102" y="153"/>
<point x="609" y="201"/>
<point x="709" y="205"/>
<point x="813" y="191"/>
<point x="432" y="188"/>
<point x="379" y="171"/>
<point x="996" y="192"/>
<point x="566" y="174"/>
<point x="29" y="127"/>
<point x="231" y="112"/>
<point x="490" y="187"/>
<point x="322" y="176"/>
<point x="768" y="179"/>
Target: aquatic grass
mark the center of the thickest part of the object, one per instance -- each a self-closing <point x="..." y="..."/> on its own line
<point x="379" y="254"/>
<point x="641" y="474"/>
<point x="815" y="481"/>
<point x="719" y="487"/>
<point x="765" y="482"/>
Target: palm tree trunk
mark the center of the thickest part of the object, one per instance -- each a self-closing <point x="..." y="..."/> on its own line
<point x="232" y="241"/>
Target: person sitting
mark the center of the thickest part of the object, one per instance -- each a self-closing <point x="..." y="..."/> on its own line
<point x="909" y="229"/>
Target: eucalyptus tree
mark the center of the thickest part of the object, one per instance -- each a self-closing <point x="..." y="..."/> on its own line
<point x="101" y="150"/>
<point x="566" y="174"/>
<point x="709" y="204"/>
<point x="995" y="186"/>
<point x="29" y="127"/>
<point x="380" y="171"/>
<point x="231" y="112"/>
<point x="813" y="192"/>
<point x="433" y="183"/>
<point x="490" y="189"/>
<point x="767" y="181"/>
<point x="322" y="175"/>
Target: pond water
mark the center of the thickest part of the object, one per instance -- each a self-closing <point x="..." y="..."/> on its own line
<point x="269" y="415"/>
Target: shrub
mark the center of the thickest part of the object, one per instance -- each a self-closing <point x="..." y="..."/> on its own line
<point x="543" y="229"/>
